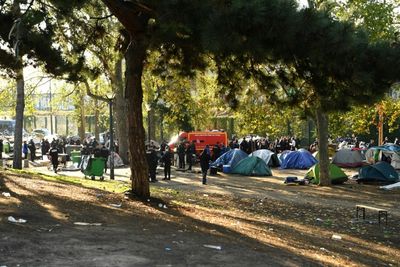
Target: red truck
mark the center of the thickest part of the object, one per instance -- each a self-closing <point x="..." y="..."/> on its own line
<point x="201" y="139"/>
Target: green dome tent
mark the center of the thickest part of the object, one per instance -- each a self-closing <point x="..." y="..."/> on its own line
<point x="252" y="166"/>
<point x="336" y="174"/>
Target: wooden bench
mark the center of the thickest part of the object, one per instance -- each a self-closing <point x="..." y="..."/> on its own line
<point x="381" y="212"/>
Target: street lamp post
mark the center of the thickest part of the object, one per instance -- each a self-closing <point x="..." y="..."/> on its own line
<point x="110" y="102"/>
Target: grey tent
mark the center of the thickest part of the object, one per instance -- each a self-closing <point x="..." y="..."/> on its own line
<point x="270" y="158"/>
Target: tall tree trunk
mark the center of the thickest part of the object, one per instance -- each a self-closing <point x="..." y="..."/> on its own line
<point x="135" y="56"/>
<point x="322" y="126"/>
<point x="20" y="105"/>
<point x="81" y="126"/>
<point x="121" y="109"/>
<point x="19" y="117"/>
<point x="135" y="21"/>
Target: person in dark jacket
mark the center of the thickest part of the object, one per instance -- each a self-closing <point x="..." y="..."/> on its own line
<point x="190" y="152"/>
<point x="53" y="153"/>
<point x="152" y="161"/>
<point x="166" y="159"/>
<point x="32" y="149"/>
<point x="215" y="152"/>
<point x="205" y="158"/>
<point x="181" y="155"/>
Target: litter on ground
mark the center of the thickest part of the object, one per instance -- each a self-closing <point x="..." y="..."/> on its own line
<point x="87" y="224"/>
<point x="13" y="220"/>
<point x="213" y="247"/>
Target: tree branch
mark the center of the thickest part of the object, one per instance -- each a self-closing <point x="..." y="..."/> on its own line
<point x="92" y="95"/>
<point x="101" y="18"/>
<point x="128" y="13"/>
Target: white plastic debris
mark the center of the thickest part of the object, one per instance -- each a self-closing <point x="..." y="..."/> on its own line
<point x="213" y="247"/>
<point x="13" y="220"/>
<point x="87" y="224"/>
<point x="160" y="205"/>
<point x="165" y="206"/>
<point x="336" y="237"/>
<point x="116" y="205"/>
<point x="319" y="220"/>
<point x="6" y="194"/>
<point x="390" y="186"/>
<point x="168" y="249"/>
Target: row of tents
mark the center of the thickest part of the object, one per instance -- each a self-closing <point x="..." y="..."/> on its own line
<point x="259" y="163"/>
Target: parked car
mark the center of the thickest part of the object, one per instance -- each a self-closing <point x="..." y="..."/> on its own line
<point x="38" y="134"/>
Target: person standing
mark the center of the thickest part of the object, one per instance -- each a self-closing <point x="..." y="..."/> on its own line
<point x="371" y="143"/>
<point x="45" y="147"/>
<point x="181" y="155"/>
<point x="32" y="149"/>
<point x="167" y="158"/>
<point x="152" y="161"/>
<point x="53" y="153"/>
<point x="215" y="152"/>
<point x="25" y="150"/>
<point x="190" y="151"/>
<point x="205" y="158"/>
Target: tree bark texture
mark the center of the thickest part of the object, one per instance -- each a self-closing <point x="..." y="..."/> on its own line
<point x="322" y="129"/>
<point x="121" y="111"/>
<point x="134" y="17"/>
<point x="135" y="56"/>
<point x="20" y="105"/>
<point x="19" y="118"/>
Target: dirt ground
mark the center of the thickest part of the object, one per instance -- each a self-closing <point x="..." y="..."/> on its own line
<point x="232" y="221"/>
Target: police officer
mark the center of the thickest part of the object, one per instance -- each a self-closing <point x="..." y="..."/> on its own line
<point x="190" y="151"/>
<point x="166" y="159"/>
<point x="53" y="153"/>
<point x="152" y="161"/>
<point x="181" y="155"/>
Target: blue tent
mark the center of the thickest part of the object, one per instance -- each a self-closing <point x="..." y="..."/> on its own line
<point x="232" y="157"/>
<point x="388" y="147"/>
<point x="381" y="172"/>
<point x="300" y="159"/>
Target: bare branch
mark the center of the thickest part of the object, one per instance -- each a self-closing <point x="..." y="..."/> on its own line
<point x="101" y="18"/>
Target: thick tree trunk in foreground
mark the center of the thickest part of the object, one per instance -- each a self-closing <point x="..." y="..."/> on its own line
<point x="133" y="17"/>
<point x="121" y="111"/>
<point x="135" y="56"/>
<point x="19" y="118"/>
<point x="20" y="105"/>
<point x="322" y="126"/>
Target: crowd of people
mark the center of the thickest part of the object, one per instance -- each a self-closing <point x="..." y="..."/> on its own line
<point x="251" y="144"/>
<point x="186" y="154"/>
